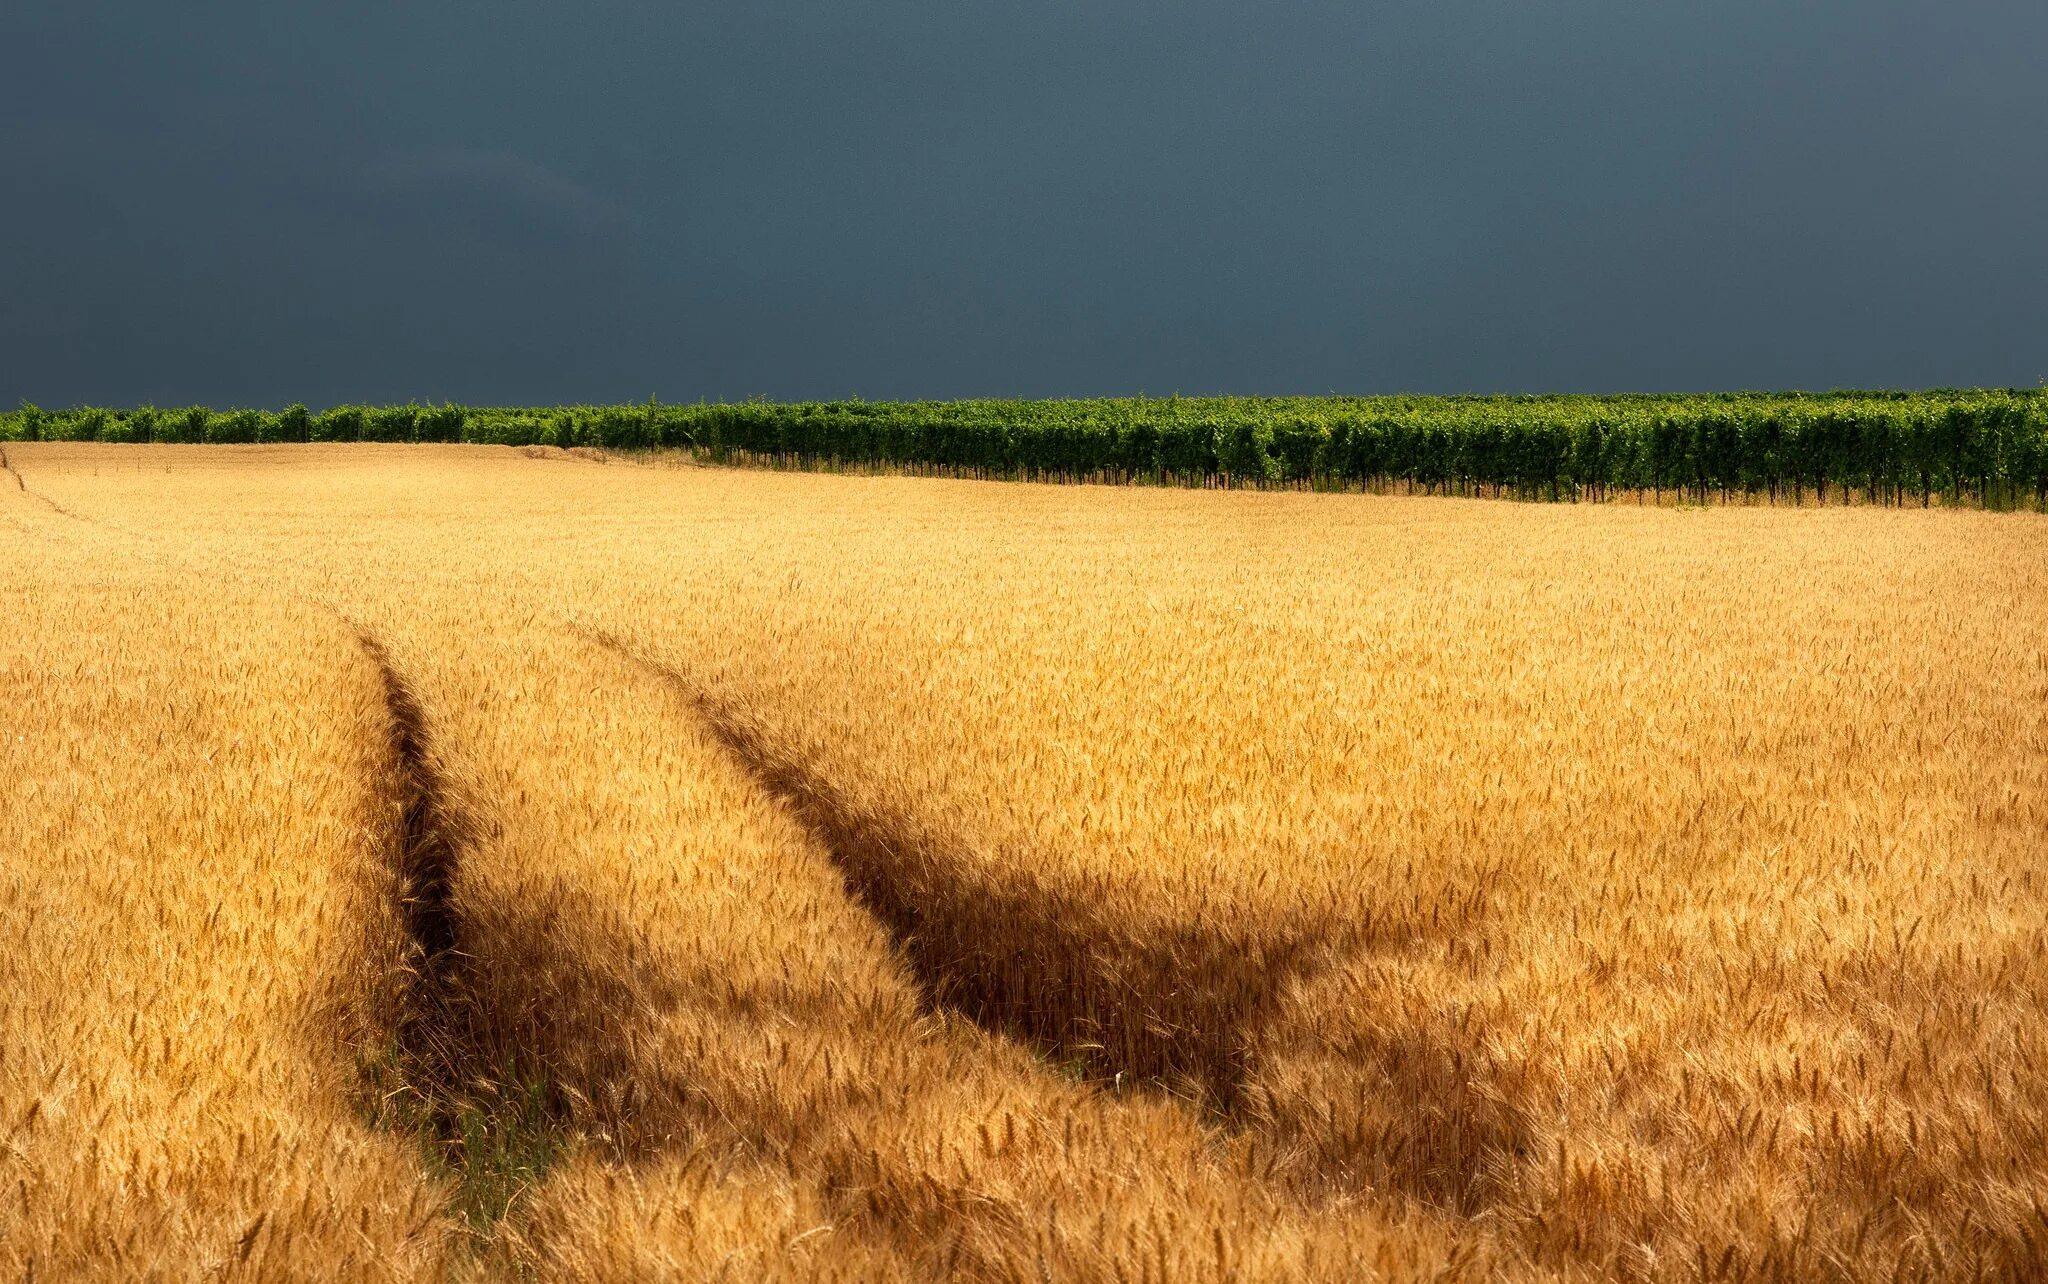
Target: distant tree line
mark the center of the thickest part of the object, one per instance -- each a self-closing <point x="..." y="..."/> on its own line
<point x="1987" y="447"/>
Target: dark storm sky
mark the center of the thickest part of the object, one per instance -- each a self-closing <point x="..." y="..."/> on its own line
<point x="517" y="202"/>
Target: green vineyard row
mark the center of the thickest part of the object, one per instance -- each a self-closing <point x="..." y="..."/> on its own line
<point x="1985" y="447"/>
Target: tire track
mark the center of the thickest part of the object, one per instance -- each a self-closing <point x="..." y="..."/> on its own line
<point x="453" y="1078"/>
<point x="426" y="846"/>
<point x="1177" y="1011"/>
<point x="1224" y="1023"/>
<point x="711" y="986"/>
<point x="21" y="484"/>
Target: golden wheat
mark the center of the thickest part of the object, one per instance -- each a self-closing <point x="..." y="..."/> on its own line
<point x="1414" y="885"/>
<point x="198" y="940"/>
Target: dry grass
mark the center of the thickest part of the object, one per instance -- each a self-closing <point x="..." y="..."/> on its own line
<point x="1280" y="886"/>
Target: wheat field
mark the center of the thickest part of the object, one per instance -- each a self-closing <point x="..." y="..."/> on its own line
<point x="466" y="863"/>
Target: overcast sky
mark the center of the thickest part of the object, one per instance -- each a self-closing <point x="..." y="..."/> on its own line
<point x="522" y="202"/>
